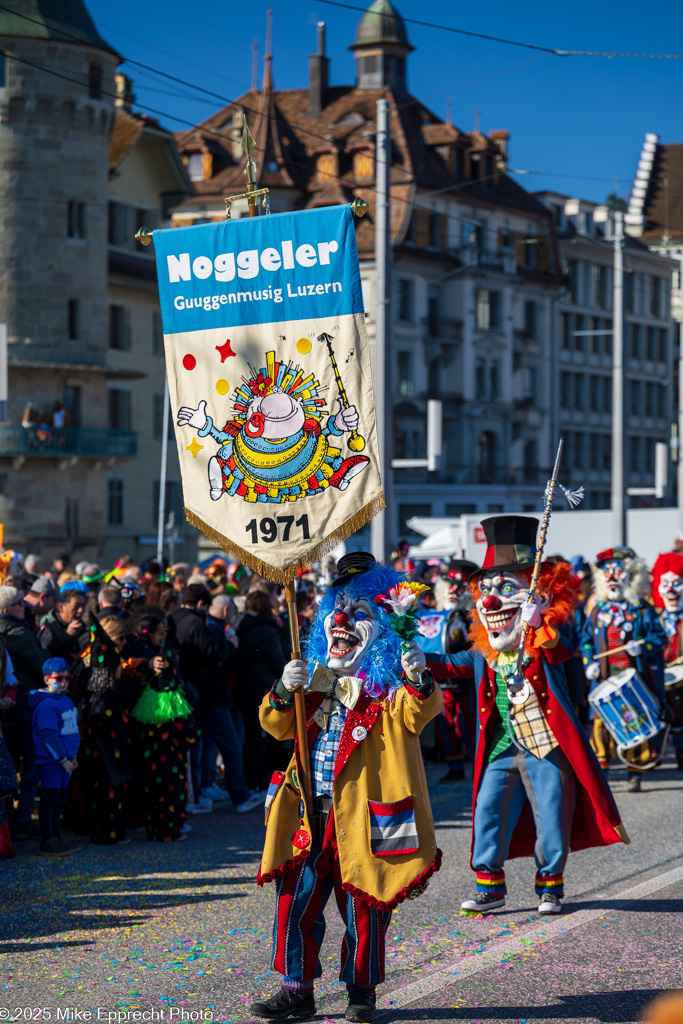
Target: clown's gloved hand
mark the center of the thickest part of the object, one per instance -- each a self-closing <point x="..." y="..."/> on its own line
<point x="294" y="675"/>
<point x="531" y="614"/>
<point x="346" y="419"/>
<point x="592" y="670"/>
<point x="413" y="662"/>
<point x="634" y="648"/>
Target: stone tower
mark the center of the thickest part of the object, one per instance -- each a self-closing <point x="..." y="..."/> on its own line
<point x="56" y="108"/>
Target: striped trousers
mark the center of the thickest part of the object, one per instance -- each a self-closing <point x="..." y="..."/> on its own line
<point x="301" y="894"/>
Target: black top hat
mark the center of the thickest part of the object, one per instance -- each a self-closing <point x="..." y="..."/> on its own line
<point x="511" y="543"/>
<point x="352" y="564"/>
<point x="461" y="568"/>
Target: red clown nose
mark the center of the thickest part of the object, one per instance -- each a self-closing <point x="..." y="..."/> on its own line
<point x="491" y="603"/>
<point x="341" y="618"/>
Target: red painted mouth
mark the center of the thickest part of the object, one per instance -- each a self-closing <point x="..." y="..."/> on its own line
<point x="343" y="642"/>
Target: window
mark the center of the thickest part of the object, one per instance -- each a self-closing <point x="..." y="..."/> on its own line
<point x="75" y="219"/>
<point x="607" y="452"/>
<point x="663" y="405"/>
<point x="95" y="81"/>
<point x="655" y="296"/>
<point x="488" y="309"/>
<point x="579" y="390"/>
<point x="480" y="379"/>
<point x="434" y="231"/>
<point x="566" y="330"/>
<point x="406" y="383"/>
<point x="72" y="319"/>
<point x="558" y="215"/>
<point x="530" y="318"/>
<point x="494" y="380"/>
<point x="405" y="299"/>
<point x="72" y="401"/>
<point x="326" y="168"/>
<point x="3" y="71"/>
<point x="195" y="167"/>
<point x="458" y="165"/>
<point x="636" y="341"/>
<point x="363" y="166"/>
<point x="662" y="353"/>
<point x="650" y="398"/>
<point x="579" y="338"/>
<point x="651" y="350"/>
<point x="158" y="419"/>
<point x="600" y="286"/>
<point x="406" y="512"/>
<point x="565" y="390"/>
<point x="573" y="279"/>
<point x="628" y="291"/>
<point x="585" y="222"/>
<point x="596" y="339"/>
<point x="157" y="334"/>
<point x="595" y="444"/>
<point x="116" y="487"/>
<point x="530" y="251"/>
<point x="119" y="328"/>
<point x="607" y="394"/>
<point x="635" y="454"/>
<point x="124" y="221"/>
<point x="72" y="518"/>
<point x="636" y="400"/>
<point x="434" y="377"/>
<point x="595" y="391"/>
<point x="119" y="409"/>
<point x="530" y="454"/>
<point x="471" y="233"/>
<point x="433" y="309"/>
<point x="174" y="501"/>
<point x="578" y="451"/>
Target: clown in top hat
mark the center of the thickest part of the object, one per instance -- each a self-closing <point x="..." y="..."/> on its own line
<point x="538" y="788"/>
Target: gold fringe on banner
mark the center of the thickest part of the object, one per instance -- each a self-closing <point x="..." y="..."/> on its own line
<point x="270" y="572"/>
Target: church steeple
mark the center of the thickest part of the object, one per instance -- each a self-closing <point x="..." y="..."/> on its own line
<point x="381" y="47"/>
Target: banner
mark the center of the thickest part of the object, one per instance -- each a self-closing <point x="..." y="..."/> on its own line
<point x="270" y="384"/>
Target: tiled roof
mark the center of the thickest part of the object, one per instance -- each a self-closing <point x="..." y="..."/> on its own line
<point x="663" y="210"/>
<point x="126" y="131"/>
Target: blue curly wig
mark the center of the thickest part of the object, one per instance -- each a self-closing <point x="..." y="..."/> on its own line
<point x="381" y="670"/>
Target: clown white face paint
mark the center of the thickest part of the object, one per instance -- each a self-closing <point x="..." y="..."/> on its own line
<point x="458" y="594"/>
<point x="671" y="591"/>
<point x="274" y="416"/>
<point x="351" y="629"/>
<point x="616" y="578"/>
<point x="500" y="608"/>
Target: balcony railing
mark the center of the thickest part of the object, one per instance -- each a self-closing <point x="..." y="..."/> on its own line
<point x="70" y="441"/>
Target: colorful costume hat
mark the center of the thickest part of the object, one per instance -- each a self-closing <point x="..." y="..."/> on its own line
<point x="352" y="564"/>
<point x="460" y="569"/>
<point x="613" y="555"/>
<point x="511" y="543"/>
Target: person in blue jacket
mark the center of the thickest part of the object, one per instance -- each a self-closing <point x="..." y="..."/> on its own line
<point x="56" y="738"/>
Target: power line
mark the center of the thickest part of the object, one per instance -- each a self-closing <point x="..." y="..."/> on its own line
<point x="512" y="42"/>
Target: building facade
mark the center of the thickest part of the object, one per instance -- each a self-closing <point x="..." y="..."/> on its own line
<point x="475" y="265"/>
<point x="582" y="355"/>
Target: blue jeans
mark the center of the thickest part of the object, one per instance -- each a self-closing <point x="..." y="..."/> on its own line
<point x="218" y="725"/>
<point x="508" y="781"/>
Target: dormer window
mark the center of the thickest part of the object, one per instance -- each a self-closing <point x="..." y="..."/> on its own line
<point x="363" y="166"/>
<point x="195" y="167"/>
<point x="326" y="168"/>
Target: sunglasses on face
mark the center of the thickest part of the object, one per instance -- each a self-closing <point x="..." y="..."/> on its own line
<point x="62" y="675"/>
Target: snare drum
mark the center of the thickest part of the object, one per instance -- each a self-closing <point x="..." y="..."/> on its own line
<point x="673" y="683"/>
<point x="628" y="708"/>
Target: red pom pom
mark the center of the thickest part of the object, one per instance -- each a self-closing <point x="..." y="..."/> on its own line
<point x="301" y="839"/>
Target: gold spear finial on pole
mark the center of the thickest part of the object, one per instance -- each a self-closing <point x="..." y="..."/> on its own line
<point x="247" y="144"/>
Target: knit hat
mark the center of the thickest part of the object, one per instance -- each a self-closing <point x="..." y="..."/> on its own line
<point x="8" y="597"/>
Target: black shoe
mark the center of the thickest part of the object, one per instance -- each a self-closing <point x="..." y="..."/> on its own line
<point x="679" y="759"/>
<point x="484" y="901"/>
<point x="453" y="775"/>
<point x="362" y="1004"/>
<point x="24" y="830"/>
<point x="633" y="784"/>
<point x="285" y="1005"/>
<point x="549" y="903"/>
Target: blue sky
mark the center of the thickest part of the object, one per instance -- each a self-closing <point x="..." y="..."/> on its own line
<point x="568" y="116"/>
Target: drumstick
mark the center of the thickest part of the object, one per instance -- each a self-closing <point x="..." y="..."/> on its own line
<point x="615" y="650"/>
<point x="677" y="661"/>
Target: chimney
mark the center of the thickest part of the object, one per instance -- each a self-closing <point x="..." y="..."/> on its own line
<point x="318" y="72"/>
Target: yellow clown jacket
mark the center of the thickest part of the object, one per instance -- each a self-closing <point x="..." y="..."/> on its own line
<point x="383" y="824"/>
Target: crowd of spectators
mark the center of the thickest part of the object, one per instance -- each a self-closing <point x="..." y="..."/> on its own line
<point x="161" y="664"/>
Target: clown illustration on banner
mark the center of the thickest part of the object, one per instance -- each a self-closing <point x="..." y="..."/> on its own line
<point x="270" y="384"/>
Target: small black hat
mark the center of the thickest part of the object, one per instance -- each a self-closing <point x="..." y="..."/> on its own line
<point x="511" y="543"/>
<point x="461" y="568"/>
<point x="352" y="564"/>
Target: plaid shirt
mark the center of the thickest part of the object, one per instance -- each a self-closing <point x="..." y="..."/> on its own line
<point x="525" y="722"/>
<point x="325" y="750"/>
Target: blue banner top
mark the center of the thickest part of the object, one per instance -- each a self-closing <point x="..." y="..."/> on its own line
<point x="259" y="270"/>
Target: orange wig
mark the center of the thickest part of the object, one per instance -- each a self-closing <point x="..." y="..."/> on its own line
<point x="556" y="581"/>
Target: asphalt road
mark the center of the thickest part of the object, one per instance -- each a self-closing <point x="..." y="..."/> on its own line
<point x="181" y="932"/>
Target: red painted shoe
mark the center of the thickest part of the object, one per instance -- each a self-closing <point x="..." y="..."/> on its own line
<point x="348" y="469"/>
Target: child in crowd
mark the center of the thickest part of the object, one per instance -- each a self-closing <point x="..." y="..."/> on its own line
<point x="56" y="738"/>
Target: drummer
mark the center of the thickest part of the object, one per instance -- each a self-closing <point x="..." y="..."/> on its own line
<point x="667" y="596"/>
<point x="623" y="621"/>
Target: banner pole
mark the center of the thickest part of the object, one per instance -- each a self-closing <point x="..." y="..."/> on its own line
<point x="299" y="703"/>
<point x="162" y="476"/>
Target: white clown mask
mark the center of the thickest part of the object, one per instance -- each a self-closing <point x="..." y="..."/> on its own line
<point x="617" y="578"/>
<point x="351" y="629"/>
<point x="500" y="608"/>
<point x="671" y="591"/>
